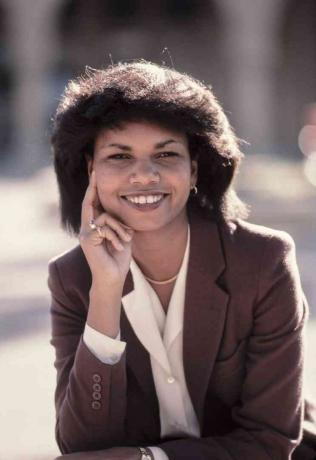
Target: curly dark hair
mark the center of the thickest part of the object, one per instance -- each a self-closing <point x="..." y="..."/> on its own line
<point x="143" y="91"/>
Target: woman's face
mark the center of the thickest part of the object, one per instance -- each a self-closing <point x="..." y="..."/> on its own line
<point x="143" y="161"/>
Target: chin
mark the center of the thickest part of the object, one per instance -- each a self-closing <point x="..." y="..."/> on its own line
<point x="146" y="225"/>
<point x="150" y="223"/>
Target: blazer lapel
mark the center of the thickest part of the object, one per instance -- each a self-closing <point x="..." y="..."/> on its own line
<point x="205" y="309"/>
<point x="136" y="355"/>
<point x="137" y="306"/>
<point x="138" y="362"/>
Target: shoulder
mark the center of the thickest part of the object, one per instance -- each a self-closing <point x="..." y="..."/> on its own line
<point x="69" y="270"/>
<point x="68" y="259"/>
<point x="263" y="261"/>
<point x="254" y="237"/>
<point x="251" y="249"/>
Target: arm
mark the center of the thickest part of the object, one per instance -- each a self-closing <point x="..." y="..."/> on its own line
<point x="106" y="349"/>
<point x="117" y="453"/>
<point x="83" y="423"/>
<point x="270" y="412"/>
<point x="100" y="354"/>
<point x="109" y="351"/>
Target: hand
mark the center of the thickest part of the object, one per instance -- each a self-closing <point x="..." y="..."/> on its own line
<point x="108" y="250"/>
<point x="116" y="453"/>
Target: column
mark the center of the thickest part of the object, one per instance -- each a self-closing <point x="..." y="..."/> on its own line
<point x="250" y="49"/>
<point x="33" y="42"/>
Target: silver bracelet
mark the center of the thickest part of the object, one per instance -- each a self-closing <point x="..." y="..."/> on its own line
<point x="146" y="454"/>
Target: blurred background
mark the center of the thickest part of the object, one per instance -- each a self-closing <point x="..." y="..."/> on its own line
<point x="259" y="57"/>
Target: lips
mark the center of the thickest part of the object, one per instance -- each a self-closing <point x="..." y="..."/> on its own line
<point x="145" y="206"/>
<point x="144" y="193"/>
<point x="142" y="198"/>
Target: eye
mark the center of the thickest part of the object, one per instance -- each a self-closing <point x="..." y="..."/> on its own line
<point x="119" y="156"/>
<point x="168" y="154"/>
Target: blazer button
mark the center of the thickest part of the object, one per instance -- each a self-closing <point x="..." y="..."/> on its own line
<point x="96" y="405"/>
<point x="96" y="387"/>
<point x="96" y="395"/>
<point x="170" y="379"/>
<point x="96" y="378"/>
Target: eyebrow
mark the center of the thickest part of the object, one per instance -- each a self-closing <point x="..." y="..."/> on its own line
<point x="127" y="148"/>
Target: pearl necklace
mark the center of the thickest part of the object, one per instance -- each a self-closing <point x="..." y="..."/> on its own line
<point x="162" y="282"/>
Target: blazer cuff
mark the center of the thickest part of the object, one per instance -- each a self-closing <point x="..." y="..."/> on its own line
<point x="106" y="349"/>
<point x="158" y="453"/>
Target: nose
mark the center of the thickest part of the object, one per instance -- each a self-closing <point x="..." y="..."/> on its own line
<point x="144" y="172"/>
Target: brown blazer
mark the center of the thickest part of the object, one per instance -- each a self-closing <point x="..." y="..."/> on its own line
<point x="242" y="351"/>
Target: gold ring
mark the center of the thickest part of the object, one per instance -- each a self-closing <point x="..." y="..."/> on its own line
<point x="96" y="227"/>
<point x="92" y="225"/>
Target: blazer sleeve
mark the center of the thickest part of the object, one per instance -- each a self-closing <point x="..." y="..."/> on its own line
<point x="90" y="396"/>
<point x="269" y="414"/>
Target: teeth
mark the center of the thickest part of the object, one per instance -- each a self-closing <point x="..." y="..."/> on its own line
<point x="144" y="199"/>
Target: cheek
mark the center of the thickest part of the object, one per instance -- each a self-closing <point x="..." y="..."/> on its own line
<point x="107" y="186"/>
<point x="183" y="177"/>
<point x="107" y="181"/>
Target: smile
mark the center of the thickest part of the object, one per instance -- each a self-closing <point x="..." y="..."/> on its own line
<point x="143" y="199"/>
<point x="145" y="203"/>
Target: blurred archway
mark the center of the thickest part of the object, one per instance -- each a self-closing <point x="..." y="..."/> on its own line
<point x="297" y="72"/>
<point x="6" y="81"/>
<point x="97" y="32"/>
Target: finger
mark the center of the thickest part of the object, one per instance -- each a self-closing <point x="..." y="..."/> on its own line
<point x="124" y="232"/>
<point x="90" y="198"/>
<point x="108" y="234"/>
<point x="87" y="213"/>
<point x="98" y="236"/>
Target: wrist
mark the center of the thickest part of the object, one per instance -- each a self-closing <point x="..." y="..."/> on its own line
<point x="99" y="283"/>
<point x="145" y="453"/>
<point x="105" y="309"/>
<point x="111" y="294"/>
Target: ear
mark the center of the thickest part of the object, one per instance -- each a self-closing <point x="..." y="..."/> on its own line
<point x="194" y="172"/>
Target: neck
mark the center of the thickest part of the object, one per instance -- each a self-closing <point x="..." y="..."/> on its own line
<point x="159" y="253"/>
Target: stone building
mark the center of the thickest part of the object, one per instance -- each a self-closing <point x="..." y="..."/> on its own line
<point x="258" y="55"/>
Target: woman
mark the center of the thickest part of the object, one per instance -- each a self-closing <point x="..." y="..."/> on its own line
<point x="178" y="326"/>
